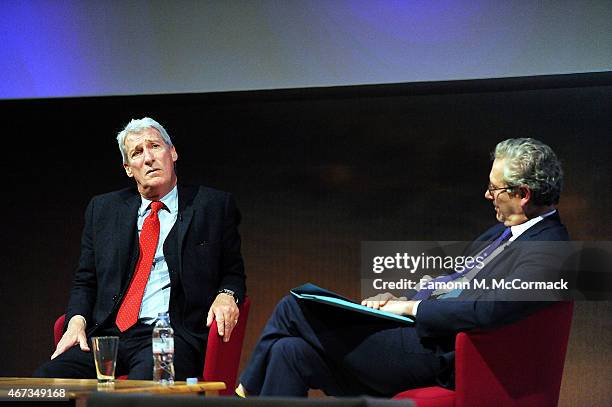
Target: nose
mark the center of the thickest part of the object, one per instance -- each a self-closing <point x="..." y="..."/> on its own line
<point x="488" y="195"/>
<point x="148" y="156"/>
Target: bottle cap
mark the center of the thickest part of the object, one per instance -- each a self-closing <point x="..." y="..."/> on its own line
<point x="192" y="380"/>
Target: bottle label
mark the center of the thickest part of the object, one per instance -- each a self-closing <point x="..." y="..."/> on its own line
<point x="163" y="345"/>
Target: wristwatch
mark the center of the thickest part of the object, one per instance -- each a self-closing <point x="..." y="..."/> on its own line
<point x="228" y="292"/>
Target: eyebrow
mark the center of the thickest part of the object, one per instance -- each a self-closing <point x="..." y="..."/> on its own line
<point x="147" y="141"/>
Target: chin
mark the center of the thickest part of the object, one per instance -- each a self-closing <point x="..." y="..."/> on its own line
<point x="149" y="186"/>
<point x="154" y="183"/>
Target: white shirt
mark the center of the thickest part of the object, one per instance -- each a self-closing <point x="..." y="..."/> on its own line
<point x="518" y="230"/>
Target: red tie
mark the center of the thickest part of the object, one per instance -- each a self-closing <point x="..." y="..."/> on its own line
<point x="149" y="236"/>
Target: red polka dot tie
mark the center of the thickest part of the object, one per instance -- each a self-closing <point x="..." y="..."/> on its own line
<point x="149" y="236"/>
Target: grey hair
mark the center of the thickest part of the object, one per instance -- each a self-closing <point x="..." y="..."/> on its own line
<point x="532" y="163"/>
<point x="136" y="126"/>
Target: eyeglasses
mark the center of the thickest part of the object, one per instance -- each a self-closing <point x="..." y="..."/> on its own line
<point x="492" y="188"/>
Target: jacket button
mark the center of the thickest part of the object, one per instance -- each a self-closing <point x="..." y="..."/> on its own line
<point x="115" y="298"/>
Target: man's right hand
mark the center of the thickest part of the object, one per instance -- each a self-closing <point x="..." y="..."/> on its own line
<point x="75" y="334"/>
<point x="380" y="300"/>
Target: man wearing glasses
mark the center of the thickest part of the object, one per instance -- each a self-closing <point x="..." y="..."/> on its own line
<point x="306" y="345"/>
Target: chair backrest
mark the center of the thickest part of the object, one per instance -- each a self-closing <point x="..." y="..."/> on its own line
<point x="223" y="358"/>
<point x="518" y="364"/>
<point x="58" y="329"/>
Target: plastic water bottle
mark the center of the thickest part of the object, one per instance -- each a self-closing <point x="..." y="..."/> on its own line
<point x="163" y="350"/>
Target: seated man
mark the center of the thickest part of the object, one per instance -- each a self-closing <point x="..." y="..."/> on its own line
<point x="308" y="345"/>
<point x="158" y="247"/>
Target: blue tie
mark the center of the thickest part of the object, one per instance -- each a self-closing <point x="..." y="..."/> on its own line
<point x="426" y="292"/>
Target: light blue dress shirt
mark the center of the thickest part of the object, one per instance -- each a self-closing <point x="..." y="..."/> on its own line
<point x="156" y="296"/>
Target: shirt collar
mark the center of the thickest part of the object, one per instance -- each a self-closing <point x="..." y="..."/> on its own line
<point x="170" y="201"/>
<point x="518" y="230"/>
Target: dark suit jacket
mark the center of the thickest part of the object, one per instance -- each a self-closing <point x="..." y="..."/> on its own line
<point x="527" y="258"/>
<point x="202" y="252"/>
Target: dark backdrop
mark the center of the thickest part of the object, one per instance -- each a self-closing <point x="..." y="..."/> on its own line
<point x="314" y="172"/>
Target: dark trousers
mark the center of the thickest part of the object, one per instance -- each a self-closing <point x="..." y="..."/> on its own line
<point x="134" y="357"/>
<point x="308" y="345"/>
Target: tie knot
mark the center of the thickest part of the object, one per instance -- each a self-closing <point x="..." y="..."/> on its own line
<point x="156" y="206"/>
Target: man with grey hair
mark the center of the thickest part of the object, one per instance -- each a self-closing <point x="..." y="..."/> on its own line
<point x="158" y="247"/>
<point x="308" y="345"/>
<point x="525" y="181"/>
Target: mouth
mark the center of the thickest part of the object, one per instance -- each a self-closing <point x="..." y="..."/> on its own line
<point x="152" y="171"/>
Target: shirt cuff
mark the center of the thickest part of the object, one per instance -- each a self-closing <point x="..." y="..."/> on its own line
<point x="415" y="308"/>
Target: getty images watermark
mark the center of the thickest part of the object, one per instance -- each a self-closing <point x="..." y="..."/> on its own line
<point x="516" y="271"/>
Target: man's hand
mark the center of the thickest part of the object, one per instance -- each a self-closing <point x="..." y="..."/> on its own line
<point x="390" y="303"/>
<point x="75" y="334"/>
<point x="400" y="306"/>
<point x="380" y="300"/>
<point x="225" y="311"/>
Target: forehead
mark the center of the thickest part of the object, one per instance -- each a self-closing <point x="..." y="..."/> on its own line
<point x="496" y="175"/>
<point x="147" y="135"/>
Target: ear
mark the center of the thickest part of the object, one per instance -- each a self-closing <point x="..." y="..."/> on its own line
<point x="525" y="194"/>
<point x="128" y="170"/>
<point x="174" y="154"/>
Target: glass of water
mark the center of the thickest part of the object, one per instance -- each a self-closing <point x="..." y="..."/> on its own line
<point x="105" y="355"/>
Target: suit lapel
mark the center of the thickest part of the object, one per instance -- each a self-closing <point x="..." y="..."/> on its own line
<point x="186" y="195"/>
<point x="532" y="233"/>
<point x="127" y="233"/>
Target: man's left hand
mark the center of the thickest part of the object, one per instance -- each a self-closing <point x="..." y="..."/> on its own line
<point x="225" y="311"/>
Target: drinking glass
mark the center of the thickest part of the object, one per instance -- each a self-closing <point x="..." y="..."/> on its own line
<point x="105" y="356"/>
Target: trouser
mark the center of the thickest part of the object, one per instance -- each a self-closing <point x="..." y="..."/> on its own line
<point x="134" y="357"/>
<point x="308" y="345"/>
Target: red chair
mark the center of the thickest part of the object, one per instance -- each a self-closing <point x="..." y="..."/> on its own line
<point x="222" y="358"/>
<point x="516" y="365"/>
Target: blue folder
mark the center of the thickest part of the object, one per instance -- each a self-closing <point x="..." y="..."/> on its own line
<point x="311" y="292"/>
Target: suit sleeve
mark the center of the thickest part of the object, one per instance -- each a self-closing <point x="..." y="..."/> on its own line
<point x="83" y="292"/>
<point x="232" y="265"/>
<point x="443" y="318"/>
